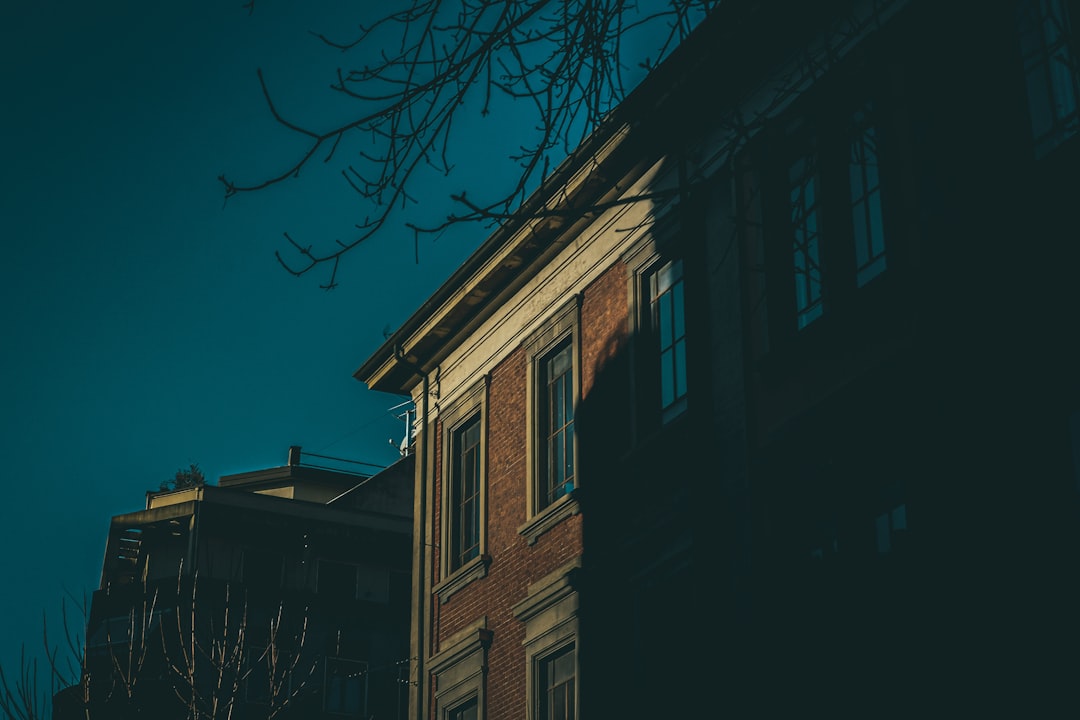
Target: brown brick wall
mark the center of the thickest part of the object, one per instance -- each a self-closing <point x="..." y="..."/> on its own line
<point x="514" y="563"/>
<point x="604" y="323"/>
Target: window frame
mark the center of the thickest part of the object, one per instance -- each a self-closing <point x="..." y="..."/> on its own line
<point x="677" y="406"/>
<point x="561" y="329"/>
<point x="1038" y="65"/>
<point x="556" y="405"/>
<point x="805" y="207"/>
<point x="542" y="665"/>
<point x="459" y="670"/>
<point x="465" y="476"/>
<point x="469" y="407"/>
<point x="472" y="702"/>
<point x="864" y="137"/>
<point x="550" y="615"/>
<point x="644" y="261"/>
<point x="833" y="125"/>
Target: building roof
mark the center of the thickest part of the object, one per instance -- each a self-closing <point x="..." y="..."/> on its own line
<point x="590" y="179"/>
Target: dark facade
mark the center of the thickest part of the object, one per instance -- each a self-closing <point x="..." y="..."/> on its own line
<point x="822" y="386"/>
<point x="908" y="378"/>
<point x="281" y="592"/>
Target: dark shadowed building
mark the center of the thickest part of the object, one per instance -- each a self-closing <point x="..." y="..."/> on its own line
<point x="280" y="592"/>
<point x="796" y="428"/>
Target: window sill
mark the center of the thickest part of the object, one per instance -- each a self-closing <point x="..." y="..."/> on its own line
<point x="472" y="570"/>
<point x="551" y="516"/>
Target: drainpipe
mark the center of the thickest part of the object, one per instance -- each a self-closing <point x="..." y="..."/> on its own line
<point x="418" y="611"/>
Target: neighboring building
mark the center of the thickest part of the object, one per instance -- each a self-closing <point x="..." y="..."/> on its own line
<point x="797" y="428"/>
<point x="282" y="592"/>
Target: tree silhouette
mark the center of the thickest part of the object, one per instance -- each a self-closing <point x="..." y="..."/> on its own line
<point x="168" y="655"/>
<point x="191" y="477"/>
<point x="418" y="69"/>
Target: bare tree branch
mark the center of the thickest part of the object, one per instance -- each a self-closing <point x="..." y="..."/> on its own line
<point x="418" y="68"/>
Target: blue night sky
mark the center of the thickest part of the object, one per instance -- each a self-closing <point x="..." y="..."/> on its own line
<point x="147" y="326"/>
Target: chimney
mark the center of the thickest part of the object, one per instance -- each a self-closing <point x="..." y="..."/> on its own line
<point x="294" y="455"/>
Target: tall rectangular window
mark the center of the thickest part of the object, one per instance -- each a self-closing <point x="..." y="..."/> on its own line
<point x="556" y="425"/>
<point x="806" y="240"/>
<point x="557" y="693"/>
<point x="668" y="317"/>
<point x="1050" y="71"/>
<point x="869" y="230"/>
<point x="465" y="494"/>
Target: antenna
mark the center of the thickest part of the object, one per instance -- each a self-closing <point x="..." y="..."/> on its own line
<point x="408" y="415"/>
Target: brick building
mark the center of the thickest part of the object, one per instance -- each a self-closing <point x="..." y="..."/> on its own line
<point x="767" y="399"/>
<point x="549" y="371"/>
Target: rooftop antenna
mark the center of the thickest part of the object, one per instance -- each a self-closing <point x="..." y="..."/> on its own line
<point x="408" y="415"/>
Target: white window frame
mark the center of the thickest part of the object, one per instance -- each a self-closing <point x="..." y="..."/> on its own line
<point x="460" y="413"/>
<point x="564" y="325"/>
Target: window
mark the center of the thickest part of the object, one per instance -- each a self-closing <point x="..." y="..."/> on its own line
<point x="465" y="711"/>
<point x="1050" y="72"/>
<point x="667" y="313"/>
<point x="550" y="615"/>
<point x="552" y="390"/>
<point x="816" y="194"/>
<point x="656" y="295"/>
<point x="459" y="671"/>
<point x="345" y="687"/>
<point x="555" y="682"/>
<point x="865" y="187"/>
<point x="464" y="506"/>
<point x="806" y="240"/>
<point x="462" y="530"/>
<point x="556" y="425"/>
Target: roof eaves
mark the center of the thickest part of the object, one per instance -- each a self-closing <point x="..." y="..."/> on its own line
<point x="493" y="264"/>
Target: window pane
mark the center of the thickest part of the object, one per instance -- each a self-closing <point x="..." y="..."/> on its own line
<point x="806" y="258"/>
<point x="568" y="473"/>
<point x="556" y="433"/>
<point x="467" y="711"/>
<point x="669" y="326"/>
<point x="663" y="316"/>
<point x="679" y="368"/>
<point x="567" y="416"/>
<point x="867" y="225"/>
<point x="556" y="691"/>
<point x="464" y="510"/>
<point x="859" y="226"/>
<point x="667" y="378"/>
<point x="677" y="311"/>
<point x="1050" y="69"/>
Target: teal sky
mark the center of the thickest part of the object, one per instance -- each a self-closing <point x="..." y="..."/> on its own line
<point x="146" y="326"/>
